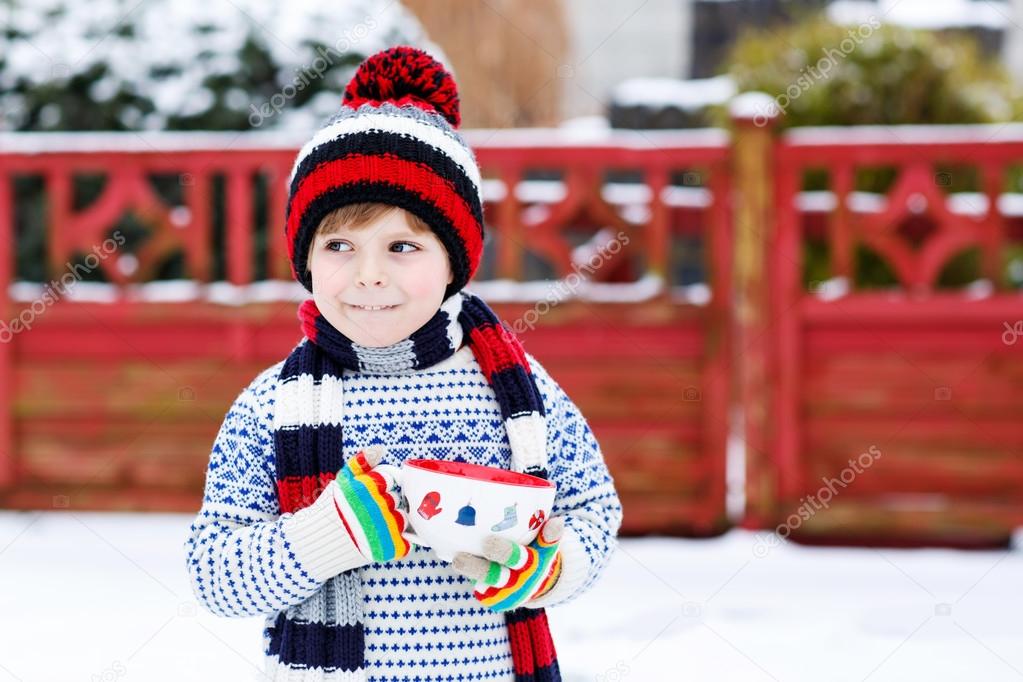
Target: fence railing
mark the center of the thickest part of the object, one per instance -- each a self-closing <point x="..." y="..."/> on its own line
<point x="883" y="318"/>
<point x="576" y="228"/>
<point x="825" y="253"/>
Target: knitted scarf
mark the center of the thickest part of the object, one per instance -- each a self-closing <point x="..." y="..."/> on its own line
<point x="325" y="633"/>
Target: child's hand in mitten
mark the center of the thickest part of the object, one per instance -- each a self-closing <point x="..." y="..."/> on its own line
<point x="510" y="574"/>
<point x="368" y="504"/>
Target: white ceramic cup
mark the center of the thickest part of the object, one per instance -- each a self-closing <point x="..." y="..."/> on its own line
<point x="454" y="506"/>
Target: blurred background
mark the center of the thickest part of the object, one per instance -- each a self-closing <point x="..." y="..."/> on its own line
<point x="773" y="249"/>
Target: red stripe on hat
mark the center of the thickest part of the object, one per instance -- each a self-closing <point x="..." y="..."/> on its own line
<point x="414" y="177"/>
<point x="497" y="349"/>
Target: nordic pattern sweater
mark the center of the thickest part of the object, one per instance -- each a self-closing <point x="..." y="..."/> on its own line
<point x="421" y="620"/>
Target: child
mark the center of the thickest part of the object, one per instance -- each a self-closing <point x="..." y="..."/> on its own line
<point x="385" y="228"/>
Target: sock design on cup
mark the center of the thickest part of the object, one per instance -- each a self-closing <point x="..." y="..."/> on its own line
<point x="509" y="520"/>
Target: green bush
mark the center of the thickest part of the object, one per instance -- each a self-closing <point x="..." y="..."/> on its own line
<point x="821" y="73"/>
<point x="824" y="74"/>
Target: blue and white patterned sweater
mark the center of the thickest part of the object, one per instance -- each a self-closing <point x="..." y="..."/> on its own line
<point x="421" y="619"/>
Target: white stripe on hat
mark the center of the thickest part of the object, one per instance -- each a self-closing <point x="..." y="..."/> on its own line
<point x="398" y="124"/>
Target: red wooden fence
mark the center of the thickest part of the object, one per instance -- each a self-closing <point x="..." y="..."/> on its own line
<point x="868" y="413"/>
<point x="895" y="413"/>
<point x="115" y="403"/>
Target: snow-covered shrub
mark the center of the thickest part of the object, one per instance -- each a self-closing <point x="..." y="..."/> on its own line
<point x="123" y="65"/>
<point x="187" y="64"/>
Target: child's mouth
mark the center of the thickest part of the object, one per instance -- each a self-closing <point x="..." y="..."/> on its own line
<point x="372" y="308"/>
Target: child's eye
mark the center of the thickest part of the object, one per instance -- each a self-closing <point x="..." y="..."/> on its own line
<point x="405" y="244"/>
<point x="344" y="247"/>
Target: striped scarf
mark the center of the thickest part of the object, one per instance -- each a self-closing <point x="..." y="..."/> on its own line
<point x="308" y="423"/>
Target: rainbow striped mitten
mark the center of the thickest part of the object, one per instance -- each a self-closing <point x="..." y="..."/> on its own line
<point x="368" y="504"/>
<point x="510" y="574"/>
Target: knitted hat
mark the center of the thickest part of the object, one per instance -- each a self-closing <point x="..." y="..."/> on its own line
<point x="393" y="142"/>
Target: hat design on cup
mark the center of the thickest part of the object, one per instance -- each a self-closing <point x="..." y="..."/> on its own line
<point x="430" y="506"/>
<point x="467" y="515"/>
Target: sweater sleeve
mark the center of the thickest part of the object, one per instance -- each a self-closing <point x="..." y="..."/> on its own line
<point x="243" y="557"/>
<point x="586" y="495"/>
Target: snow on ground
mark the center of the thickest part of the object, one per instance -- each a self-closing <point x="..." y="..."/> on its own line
<point x="105" y="596"/>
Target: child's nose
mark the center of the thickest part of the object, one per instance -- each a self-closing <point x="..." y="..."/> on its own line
<point x="370" y="272"/>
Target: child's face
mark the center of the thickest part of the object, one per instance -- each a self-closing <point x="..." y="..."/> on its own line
<point x="381" y="263"/>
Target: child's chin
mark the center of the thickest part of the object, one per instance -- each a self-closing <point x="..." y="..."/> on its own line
<point x="387" y="337"/>
<point x="376" y="343"/>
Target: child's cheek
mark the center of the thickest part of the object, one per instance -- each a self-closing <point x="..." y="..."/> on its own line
<point x="422" y="282"/>
<point x="419" y="289"/>
<point x="329" y="273"/>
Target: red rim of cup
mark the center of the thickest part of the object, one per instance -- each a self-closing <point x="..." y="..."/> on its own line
<point x="478" y="472"/>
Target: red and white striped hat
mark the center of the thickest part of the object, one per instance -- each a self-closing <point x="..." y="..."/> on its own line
<point x="393" y="142"/>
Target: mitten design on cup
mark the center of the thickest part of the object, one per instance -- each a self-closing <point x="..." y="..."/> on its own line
<point x="368" y="505"/>
<point x="510" y="574"/>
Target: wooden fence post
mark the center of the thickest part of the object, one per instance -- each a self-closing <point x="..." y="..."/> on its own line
<point x="754" y="118"/>
<point x="7" y="252"/>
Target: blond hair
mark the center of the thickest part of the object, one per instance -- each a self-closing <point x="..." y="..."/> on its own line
<point x="355" y="216"/>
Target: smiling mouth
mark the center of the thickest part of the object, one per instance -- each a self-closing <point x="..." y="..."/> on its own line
<point x="371" y="308"/>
